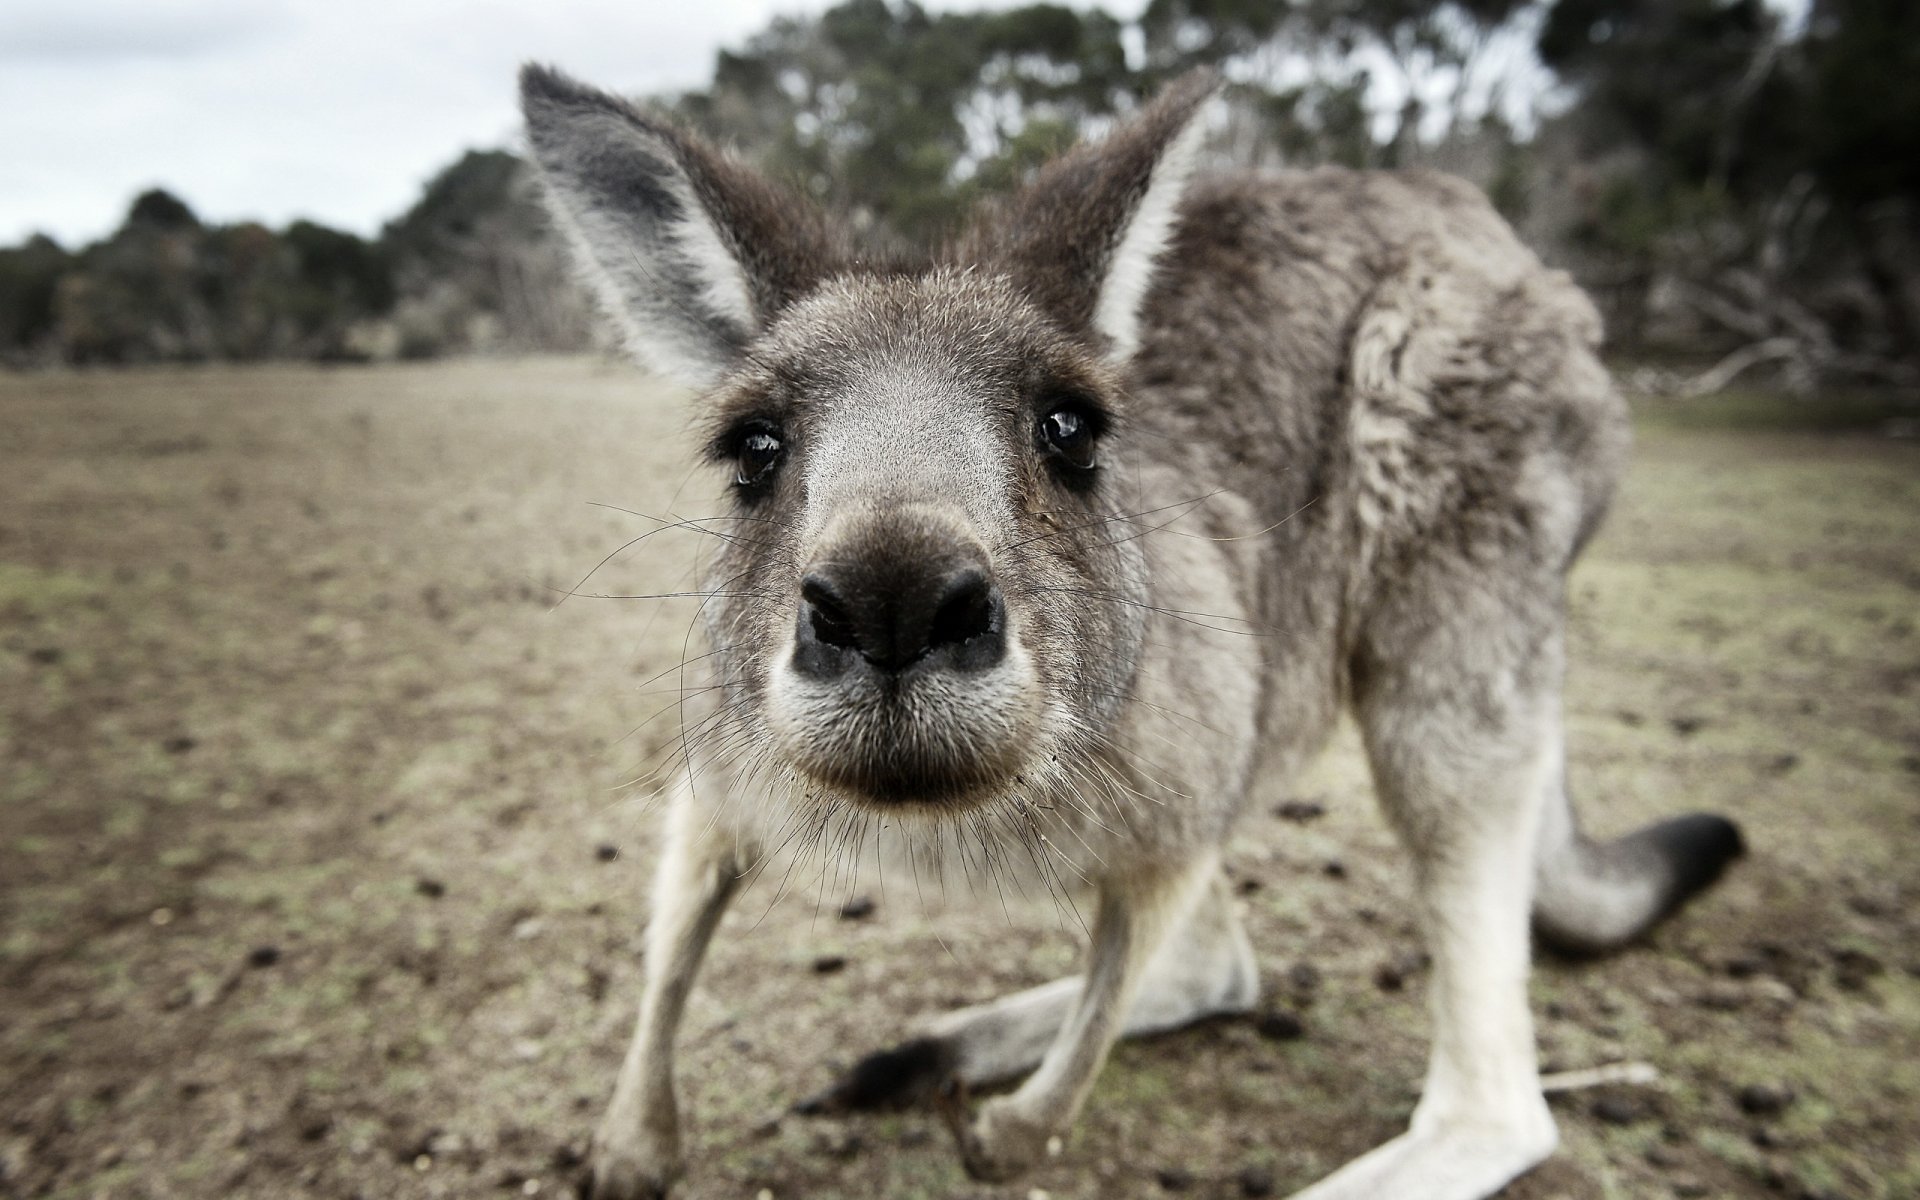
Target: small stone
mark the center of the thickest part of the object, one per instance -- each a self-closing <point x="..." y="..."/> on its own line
<point x="527" y="930"/>
<point x="1055" y="1146"/>
<point x="1765" y="1099"/>
<point x="1745" y="966"/>
<point x="844" y="1147"/>
<point x="432" y="889"/>
<point x="1278" y="1025"/>
<point x="530" y="1188"/>
<point x="857" y="909"/>
<point x="1662" y="1157"/>
<point x="1303" y="978"/>
<point x="1617" y="1110"/>
<point x="606" y="852"/>
<point x="161" y="917"/>
<point x="1723" y="997"/>
<point x="1256" y="1181"/>
<point x="1854" y="968"/>
<point x="1392" y="976"/>
<point x="829" y="964"/>
<point x="423" y="1162"/>
<point x="263" y="956"/>
<point x="1174" y="1179"/>
<point x="1870" y="906"/>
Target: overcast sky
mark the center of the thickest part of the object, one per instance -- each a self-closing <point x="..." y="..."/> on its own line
<point x="335" y="110"/>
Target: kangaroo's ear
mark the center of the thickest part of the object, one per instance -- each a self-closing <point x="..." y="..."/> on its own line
<point x="1084" y="236"/>
<point x="690" y="253"/>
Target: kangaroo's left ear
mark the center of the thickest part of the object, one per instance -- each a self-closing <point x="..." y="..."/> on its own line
<point x="690" y="253"/>
<point x="1084" y="237"/>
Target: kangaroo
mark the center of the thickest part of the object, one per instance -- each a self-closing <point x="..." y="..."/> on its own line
<point x="1062" y="534"/>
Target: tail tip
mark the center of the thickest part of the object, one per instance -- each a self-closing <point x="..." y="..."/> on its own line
<point x="893" y="1078"/>
<point x="1700" y="846"/>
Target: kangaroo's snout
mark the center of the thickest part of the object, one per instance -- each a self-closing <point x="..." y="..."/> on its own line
<point x="907" y="681"/>
<point x="895" y="613"/>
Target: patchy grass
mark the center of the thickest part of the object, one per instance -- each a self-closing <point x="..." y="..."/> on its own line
<point x="310" y="790"/>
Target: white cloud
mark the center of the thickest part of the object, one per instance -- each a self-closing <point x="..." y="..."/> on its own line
<point x="334" y="110"/>
<point x="337" y="110"/>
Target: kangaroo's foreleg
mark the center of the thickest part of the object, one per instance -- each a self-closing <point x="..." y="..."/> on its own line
<point x="636" y="1152"/>
<point x="1204" y="968"/>
<point x="1136" y="910"/>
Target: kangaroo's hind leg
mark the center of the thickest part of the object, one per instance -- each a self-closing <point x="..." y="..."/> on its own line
<point x="1459" y="705"/>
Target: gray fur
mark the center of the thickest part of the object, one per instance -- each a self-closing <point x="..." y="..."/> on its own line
<point x="1354" y="436"/>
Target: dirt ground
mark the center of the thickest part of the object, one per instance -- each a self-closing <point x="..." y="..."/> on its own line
<point x="318" y="876"/>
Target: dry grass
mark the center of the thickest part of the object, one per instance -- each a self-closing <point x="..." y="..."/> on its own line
<point x="309" y="788"/>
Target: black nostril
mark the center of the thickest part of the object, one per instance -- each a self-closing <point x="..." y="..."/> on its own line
<point x="968" y="607"/>
<point x="827" y="612"/>
<point x="893" y="612"/>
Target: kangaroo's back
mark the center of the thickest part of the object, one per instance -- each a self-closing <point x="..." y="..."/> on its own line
<point x="1307" y="320"/>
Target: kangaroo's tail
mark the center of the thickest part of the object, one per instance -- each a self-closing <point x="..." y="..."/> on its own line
<point x="1591" y="897"/>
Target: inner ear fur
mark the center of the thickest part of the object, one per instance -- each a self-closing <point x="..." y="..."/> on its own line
<point x="1083" y="236"/>
<point x="689" y="252"/>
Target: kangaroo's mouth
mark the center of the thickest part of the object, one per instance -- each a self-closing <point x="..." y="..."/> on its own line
<point x="933" y="738"/>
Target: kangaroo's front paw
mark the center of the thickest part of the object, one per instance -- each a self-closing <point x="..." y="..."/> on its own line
<point x="641" y="1170"/>
<point x="1001" y="1141"/>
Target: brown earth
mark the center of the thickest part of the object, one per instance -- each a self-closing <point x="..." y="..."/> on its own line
<point x="318" y="877"/>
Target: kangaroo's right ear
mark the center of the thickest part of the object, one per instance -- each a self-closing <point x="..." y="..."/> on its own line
<point x="690" y="253"/>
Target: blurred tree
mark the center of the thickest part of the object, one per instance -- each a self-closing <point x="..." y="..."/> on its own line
<point x="157" y="208"/>
<point x="1727" y="178"/>
<point x="476" y="268"/>
<point x="897" y="116"/>
<point x="1757" y="176"/>
<point x="29" y="277"/>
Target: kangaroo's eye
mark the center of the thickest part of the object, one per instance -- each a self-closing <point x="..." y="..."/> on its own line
<point x="1068" y="434"/>
<point x="759" y="453"/>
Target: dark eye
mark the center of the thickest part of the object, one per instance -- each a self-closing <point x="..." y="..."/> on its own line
<point x="759" y="452"/>
<point x="1067" y="433"/>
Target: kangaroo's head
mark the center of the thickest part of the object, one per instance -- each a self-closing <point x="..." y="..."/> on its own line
<point x="922" y="600"/>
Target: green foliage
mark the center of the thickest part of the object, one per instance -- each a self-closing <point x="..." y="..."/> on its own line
<point x="157" y="208"/>
<point x="896" y="116"/>
<point x="340" y="268"/>
<point x="29" y="276"/>
<point x="1774" y="174"/>
<point x="165" y="287"/>
<point x="1862" y="98"/>
<point x="455" y="205"/>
